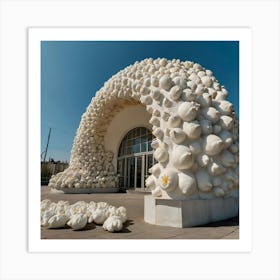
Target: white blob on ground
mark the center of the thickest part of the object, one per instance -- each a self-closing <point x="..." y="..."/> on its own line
<point x="78" y="215"/>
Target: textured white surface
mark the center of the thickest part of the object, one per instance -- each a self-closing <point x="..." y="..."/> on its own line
<point x="113" y="223"/>
<point x="77" y="221"/>
<point x="58" y="221"/>
<point x="77" y="215"/>
<point x="195" y="128"/>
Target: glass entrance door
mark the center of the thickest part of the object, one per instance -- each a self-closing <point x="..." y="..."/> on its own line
<point x="138" y="172"/>
<point x="130" y="172"/>
<point x="149" y="162"/>
<point x="135" y="158"/>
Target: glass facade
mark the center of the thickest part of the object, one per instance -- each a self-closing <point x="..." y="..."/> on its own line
<point x="135" y="158"/>
<point x="137" y="140"/>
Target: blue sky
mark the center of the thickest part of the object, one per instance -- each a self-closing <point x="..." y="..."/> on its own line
<point x="72" y="72"/>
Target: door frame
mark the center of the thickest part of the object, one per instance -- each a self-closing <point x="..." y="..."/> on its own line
<point x="126" y="175"/>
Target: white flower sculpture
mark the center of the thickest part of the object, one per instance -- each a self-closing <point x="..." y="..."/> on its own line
<point x="196" y="130"/>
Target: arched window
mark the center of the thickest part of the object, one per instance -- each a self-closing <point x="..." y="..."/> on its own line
<point x="137" y="140"/>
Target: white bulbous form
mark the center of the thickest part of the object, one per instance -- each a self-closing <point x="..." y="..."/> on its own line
<point x="182" y="157"/>
<point x="158" y="133"/>
<point x="168" y="180"/>
<point x="150" y="182"/>
<point x="45" y="204"/>
<point x="180" y="81"/>
<point x="205" y="99"/>
<point x="227" y="138"/>
<point x="155" y="81"/>
<point x="122" y="213"/>
<point x="156" y="113"/>
<point x="144" y="90"/>
<point x="233" y="148"/>
<point x="226" y="122"/>
<point x="161" y="155"/>
<point x="211" y="114"/>
<point x="192" y="129"/>
<point x="206" y="126"/>
<point x="225" y="107"/>
<point x="155" y="143"/>
<point x="174" y="121"/>
<point x="81" y="213"/>
<point x="188" y="95"/>
<point x="58" y="221"/>
<point x="77" y="221"/>
<point x="146" y="99"/>
<point x="165" y="116"/>
<point x="167" y="102"/>
<point x="155" y="94"/>
<point x="46" y="216"/>
<point x="220" y="96"/>
<point x="187" y="183"/>
<point x="175" y="93"/>
<point x="199" y="91"/>
<point x="187" y="111"/>
<point x="99" y="216"/>
<point x="217" y="129"/>
<point x="227" y="158"/>
<point x="167" y="132"/>
<point x="113" y="224"/>
<point x="213" y="145"/>
<point x="215" y="168"/>
<point x="177" y="135"/>
<point x="203" y="181"/>
<point x="201" y="74"/>
<point x="195" y="147"/>
<point x="155" y="170"/>
<point x="206" y="80"/>
<point x="166" y="82"/>
<point x="156" y="192"/>
<point x="219" y="192"/>
<point x="154" y="121"/>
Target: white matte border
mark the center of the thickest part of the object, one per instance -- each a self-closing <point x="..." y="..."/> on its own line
<point x="262" y="16"/>
<point x="243" y="35"/>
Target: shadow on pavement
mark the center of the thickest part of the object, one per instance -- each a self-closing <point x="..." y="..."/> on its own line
<point x="225" y="223"/>
<point x="125" y="225"/>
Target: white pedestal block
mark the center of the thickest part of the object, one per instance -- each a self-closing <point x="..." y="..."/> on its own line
<point x="188" y="213"/>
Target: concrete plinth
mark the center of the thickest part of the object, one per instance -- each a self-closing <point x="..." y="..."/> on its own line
<point x="188" y="213"/>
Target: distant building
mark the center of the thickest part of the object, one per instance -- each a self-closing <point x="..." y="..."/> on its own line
<point x="50" y="168"/>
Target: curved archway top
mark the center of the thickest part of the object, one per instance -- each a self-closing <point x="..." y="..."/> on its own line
<point x="195" y="127"/>
<point x="142" y="134"/>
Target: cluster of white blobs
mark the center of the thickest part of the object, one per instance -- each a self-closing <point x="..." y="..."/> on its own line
<point x="81" y="213"/>
<point x="196" y="132"/>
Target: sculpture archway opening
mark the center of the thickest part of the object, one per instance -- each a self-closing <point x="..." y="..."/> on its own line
<point x="196" y="133"/>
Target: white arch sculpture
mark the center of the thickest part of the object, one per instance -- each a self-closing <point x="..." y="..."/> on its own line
<point x="196" y="130"/>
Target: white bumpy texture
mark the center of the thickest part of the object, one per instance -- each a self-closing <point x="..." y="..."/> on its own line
<point x="196" y="130"/>
<point x="78" y="215"/>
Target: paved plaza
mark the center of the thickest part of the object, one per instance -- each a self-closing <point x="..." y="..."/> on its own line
<point x="135" y="227"/>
